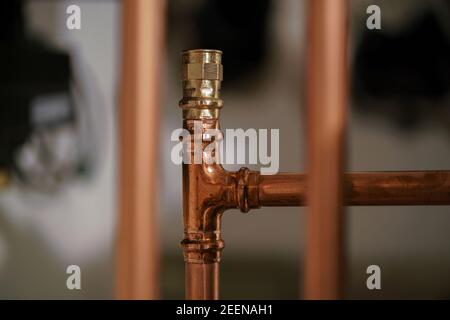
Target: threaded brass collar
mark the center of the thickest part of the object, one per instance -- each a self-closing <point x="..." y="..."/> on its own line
<point x="201" y="77"/>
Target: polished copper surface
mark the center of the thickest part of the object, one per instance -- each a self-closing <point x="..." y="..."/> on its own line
<point x="398" y="188"/>
<point x="363" y="189"/>
<point x="137" y="275"/>
<point x="208" y="190"/>
<point x="202" y="281"/>
<point x="327" y="86"/>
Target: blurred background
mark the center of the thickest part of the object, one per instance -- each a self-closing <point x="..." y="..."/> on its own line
<point x="58" y="166"/>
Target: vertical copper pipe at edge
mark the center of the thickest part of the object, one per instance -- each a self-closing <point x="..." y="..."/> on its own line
<point x="137" y="274"/>
<point x="326" y="116"/>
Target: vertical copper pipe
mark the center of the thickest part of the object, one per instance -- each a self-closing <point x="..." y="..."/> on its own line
<point x="207" y="188"/>
<point x="202" y="281"/>
<point x="142" y="46"/>
<point x="326" y="116"/>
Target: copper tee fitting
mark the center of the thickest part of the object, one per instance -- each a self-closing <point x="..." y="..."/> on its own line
<point x="208" y="189"/>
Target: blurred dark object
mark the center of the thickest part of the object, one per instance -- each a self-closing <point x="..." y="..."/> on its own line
<point x="404" y="71"/>
<point x="30" y="71"/>
<point x="237" y="28"/>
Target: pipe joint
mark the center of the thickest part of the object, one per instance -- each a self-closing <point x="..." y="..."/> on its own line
<point x="247" y="190"/>
<point x="208" y="189"/>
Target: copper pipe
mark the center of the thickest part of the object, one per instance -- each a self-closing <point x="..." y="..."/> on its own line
<point x="137" y="248"/>
<point x="326" y="121"/>
<point x="282" y="190"/>
<point x="209" y="190"/>
<point x="398" y="188"/>
<point x="205" y="187"/>
<point x="202" y="281"/>
<point x="363" y="189"/>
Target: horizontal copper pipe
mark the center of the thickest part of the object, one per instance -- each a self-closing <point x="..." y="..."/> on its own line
<point x="282" y="190"/>
<point x="363" y="189"/>
<point x="398" y="188"/>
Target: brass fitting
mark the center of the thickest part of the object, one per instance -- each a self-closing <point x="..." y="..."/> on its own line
<point x="202" y="77"/>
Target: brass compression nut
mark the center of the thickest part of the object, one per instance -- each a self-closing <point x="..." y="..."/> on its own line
<point x="202" y="73"/>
